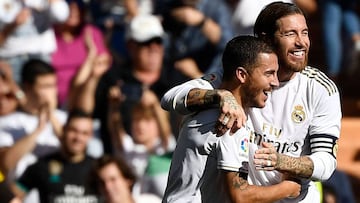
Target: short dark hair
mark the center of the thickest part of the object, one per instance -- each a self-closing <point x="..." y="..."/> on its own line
<point x="34" y="68"/>
<point x="77" y="113"/>
<point x="120" y="163"/>
<point x="243" y="51"/>
<point x="266" y="22"/>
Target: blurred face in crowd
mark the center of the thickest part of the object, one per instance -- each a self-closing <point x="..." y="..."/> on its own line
<point x="292" y="43"/>
<point x="44" y="90"/>
<point x="148" y="55"/>
<point x="74" y="18"/>
<point x="77" y="133"/>
<point x="8" y="102"/>
<point x="113" y="184"/>
<point x="144" y="128"/>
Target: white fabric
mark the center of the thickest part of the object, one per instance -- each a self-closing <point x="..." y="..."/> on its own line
<point x="59" y="11"/>
<point x="233" y="150"/>
<point x="43" y="43"/>
<point x="195" y="143"/>
<point x="25" y="39"/>
<point x="306" y="106"/>
<point x="194" y="175"/>
<point x="16" y="125"/>
<point x="175" y="98"/>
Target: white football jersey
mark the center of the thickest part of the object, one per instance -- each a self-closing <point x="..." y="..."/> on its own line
<point x="301" y="117"/>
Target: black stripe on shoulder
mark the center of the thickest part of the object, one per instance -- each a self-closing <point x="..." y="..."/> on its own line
<point x="321" y="78"/>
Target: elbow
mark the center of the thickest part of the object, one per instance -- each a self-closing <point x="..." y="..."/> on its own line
<point x="324" y="165"/>
<point x="164" y="103"/>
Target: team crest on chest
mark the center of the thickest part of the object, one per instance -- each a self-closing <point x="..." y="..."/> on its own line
<point x="55" y="168"/>
<point x="298" y="114"/>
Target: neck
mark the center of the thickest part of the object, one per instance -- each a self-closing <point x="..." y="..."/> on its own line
<point x="73" y="158"/>
<point x="30" y="108"/>
<point x="285" y="74"/>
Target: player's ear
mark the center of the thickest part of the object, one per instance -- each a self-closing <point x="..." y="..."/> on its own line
<point x="241" y="74"/>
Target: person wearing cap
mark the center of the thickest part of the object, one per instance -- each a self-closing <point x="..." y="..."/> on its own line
<point x="143" y="70"/>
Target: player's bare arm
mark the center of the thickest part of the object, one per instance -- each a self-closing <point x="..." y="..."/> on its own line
<point x="241" y="191"/>
<point x="267" y="158"/>
<point x="232" y="114"/>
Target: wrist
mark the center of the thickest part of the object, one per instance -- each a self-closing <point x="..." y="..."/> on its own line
<point x="201" y="23"/>
<point x="212" y="98"/>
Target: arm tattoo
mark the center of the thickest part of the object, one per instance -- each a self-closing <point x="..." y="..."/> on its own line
<point x="239" y="183"/>
<point x="202" y="99"/>
<point x="296" y="166"/>
<point x="211" y="98"/>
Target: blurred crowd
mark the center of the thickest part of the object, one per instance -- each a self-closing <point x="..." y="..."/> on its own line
<point x="81" y="83"/>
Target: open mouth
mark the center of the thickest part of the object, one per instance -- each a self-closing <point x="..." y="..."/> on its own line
<point x="298" y="54"/>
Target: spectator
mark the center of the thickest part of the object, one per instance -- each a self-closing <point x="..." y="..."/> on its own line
<point x="73" y="49"/>
<point x="116" y="180"/>
<point x="339" y="16"/>
<point x="11" y="96"/>
<point x="83" y="84"/>
<point x="32" y="131"/>
<point x="149" y="142"/>
<point x="143" y="70"/>
<point x="64" y="175"/>
<point x="26" y="30"/>
<point x="6" y="194"/>
<point x="198" y="31"/>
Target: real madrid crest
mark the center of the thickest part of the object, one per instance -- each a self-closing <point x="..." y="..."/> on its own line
<point x="298" y="114"/>
<point x="335" y="148"/>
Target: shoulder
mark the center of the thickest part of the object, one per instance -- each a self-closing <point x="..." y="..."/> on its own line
<point x="16" y="120"/>
<point x="319" y="80"/>
<point x="214" y="79"/>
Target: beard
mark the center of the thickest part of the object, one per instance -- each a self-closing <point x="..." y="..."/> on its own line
<point x="288" y="67"/>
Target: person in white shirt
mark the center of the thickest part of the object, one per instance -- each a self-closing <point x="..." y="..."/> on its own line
<point x="301" y="118"/>
<point x="250" y="68"/>
<point x="26" y="30"/>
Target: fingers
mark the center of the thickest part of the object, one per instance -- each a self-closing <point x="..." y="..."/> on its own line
<point x="263" y="164"/>
<point x="266" y="158"/>
<point x="220" y="129"/>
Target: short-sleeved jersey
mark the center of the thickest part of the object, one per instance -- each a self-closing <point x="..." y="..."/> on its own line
<point x="233" y="150"/>
<point x="231" y="153"/>
<point x="199" y="153"/>
<point x="60" y="181"/>
<point x="194" y="145"/>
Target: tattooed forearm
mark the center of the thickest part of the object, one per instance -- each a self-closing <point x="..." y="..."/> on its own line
<point x="239" y="183"/>
<point x="295" y="166"/>
<point x="201" y="99"/>
<point x="211" y="98"/>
